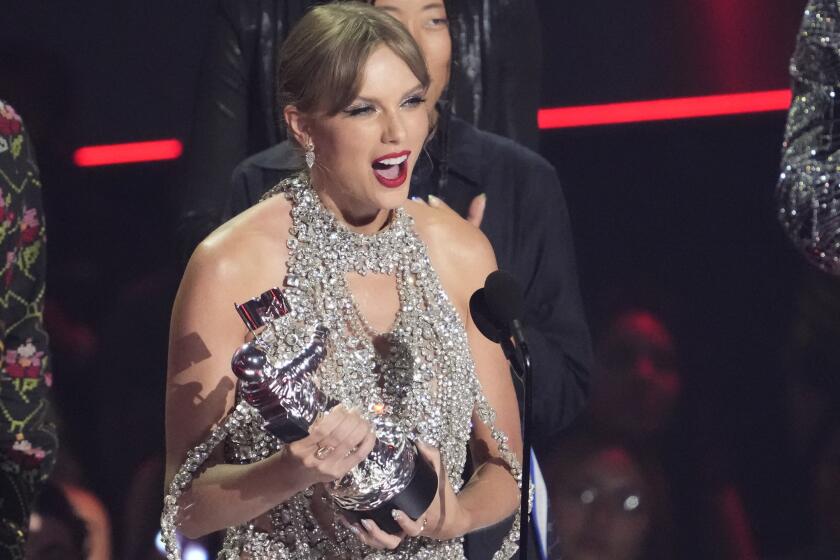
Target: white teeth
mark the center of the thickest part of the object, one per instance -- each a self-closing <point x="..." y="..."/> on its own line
<point x="392" y="161"/>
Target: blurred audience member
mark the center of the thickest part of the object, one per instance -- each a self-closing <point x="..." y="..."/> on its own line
<point x="57" y="532"/>
<point x="812" y="356"/>
<point x="637" y="398"/>
<point x="811" y="365"/>
<point x="97" y="523"/>
<point x="68" y="523"/>
<point x="141" y="521"/>
<point x="608" y="503"/>
<point x="636" y="385"/>
<point x="70" y="477"/>
<point x="822" y="466"/>
<point x="27" y="433"/>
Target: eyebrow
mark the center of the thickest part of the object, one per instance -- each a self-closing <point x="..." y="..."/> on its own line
<point x="415" y="89"/>
<point x="432" y="6"/>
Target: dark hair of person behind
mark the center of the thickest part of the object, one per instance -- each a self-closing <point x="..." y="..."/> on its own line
<point x="321" y="64"/>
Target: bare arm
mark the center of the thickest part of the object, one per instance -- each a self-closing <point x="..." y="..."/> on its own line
<point x="491" y="494"/>
<point x="204" y="333"/>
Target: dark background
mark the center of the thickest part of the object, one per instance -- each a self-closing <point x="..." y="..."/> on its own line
<point x="680" y="213"/>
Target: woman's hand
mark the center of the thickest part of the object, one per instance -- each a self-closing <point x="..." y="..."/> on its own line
<point x="445" y="519"/>
<point x="336" y="443"/>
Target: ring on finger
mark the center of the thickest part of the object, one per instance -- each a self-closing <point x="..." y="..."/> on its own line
<point x="323" y="452"/>
<point x="423" y="524"/>
<point x="351" y="451"/>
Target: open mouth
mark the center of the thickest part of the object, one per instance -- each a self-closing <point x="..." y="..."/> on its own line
<point x="392" y="169"/>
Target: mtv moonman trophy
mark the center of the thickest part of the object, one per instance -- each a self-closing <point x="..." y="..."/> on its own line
<point x="287" y="396"/>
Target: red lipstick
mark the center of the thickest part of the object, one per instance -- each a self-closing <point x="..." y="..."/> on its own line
<point x="391" y="170"/>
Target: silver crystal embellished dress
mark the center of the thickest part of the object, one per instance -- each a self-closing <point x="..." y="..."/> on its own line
<point x="808" y="192"/>
<point x="421" y="370"/>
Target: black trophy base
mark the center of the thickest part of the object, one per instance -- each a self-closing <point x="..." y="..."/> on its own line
<point x="413" y="501"/>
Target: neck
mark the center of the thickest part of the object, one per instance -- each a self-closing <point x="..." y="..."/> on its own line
<point x="356" y="216"/>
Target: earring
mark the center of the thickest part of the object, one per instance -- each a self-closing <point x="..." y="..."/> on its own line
<point x="310" y="154"/>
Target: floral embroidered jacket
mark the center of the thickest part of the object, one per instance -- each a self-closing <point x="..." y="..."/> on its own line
<point x="25" y="373"/>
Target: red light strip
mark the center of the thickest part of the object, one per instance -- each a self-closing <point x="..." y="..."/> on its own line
<point x="133" y="152"/>
<point x="665" y="109"/>
<point x="561" y="117"/>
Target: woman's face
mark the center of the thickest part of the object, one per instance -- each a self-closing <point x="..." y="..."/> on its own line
<point x="365" y="154"/>
<point x="427" y="22"/>
<point x="636" y="383"/>
<point x="600" y="508"/>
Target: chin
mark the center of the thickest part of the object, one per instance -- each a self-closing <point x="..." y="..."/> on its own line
<point x="389" y="198"/>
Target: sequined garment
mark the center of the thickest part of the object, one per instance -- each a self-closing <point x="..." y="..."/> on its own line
<point x="424" y="375"/>
<point x="808" y="192"/>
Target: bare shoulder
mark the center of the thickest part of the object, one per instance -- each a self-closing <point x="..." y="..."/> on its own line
<point x="246" y="253"/>
<point x="459" y="251"/>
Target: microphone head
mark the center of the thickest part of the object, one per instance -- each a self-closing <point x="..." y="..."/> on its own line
<point x="482" y="318"/>
<point x="503" y="298"/>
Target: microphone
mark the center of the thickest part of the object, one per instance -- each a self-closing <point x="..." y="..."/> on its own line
<point x="496" y="311"/>
<point x="482" y="317"/>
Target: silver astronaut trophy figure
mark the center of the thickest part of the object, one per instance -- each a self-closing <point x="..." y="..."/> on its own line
<point x="286" y="394"/>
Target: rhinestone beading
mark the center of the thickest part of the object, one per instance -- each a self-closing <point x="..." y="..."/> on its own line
<point x="425" y="379"/>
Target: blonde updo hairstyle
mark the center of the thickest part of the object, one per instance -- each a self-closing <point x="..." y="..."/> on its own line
<point x="321" y="64"/>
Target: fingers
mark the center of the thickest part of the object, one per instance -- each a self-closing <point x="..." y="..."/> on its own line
<point x="475" y="214"/>
<point x="409" y="526"/>
<point x="357" y="453"/>
<point x="325" y="425"/>
<point x="335" y="444"/>
<point x="336" y="427"/>
<point x="347" y="433"/>
<point x="378" y="538"/>
<point x="375" y="537"/>
<point x="436" y="202"/>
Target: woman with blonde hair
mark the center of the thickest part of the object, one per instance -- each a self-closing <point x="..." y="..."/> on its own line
<point x="390" y="279"/>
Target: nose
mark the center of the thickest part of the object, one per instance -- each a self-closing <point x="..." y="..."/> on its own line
<point x="393" y="128"/>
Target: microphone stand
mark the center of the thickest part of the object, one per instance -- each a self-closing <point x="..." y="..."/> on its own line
<point x="520" y="358"/>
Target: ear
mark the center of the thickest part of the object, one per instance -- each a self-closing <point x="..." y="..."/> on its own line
<point x="298" y="125"/>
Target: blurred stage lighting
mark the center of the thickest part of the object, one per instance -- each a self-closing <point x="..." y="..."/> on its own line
<point x="665" y="109"/>
<point x="132" y="152"/>
<point x="552" y="118"/>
